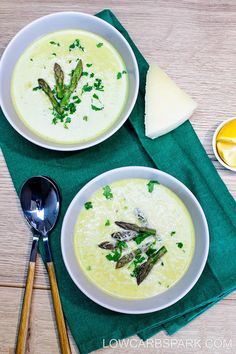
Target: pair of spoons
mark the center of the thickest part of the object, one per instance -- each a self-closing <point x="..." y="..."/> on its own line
<point x="40" y="202"/>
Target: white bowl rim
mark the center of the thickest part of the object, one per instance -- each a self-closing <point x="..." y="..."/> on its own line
<point x="205" y="225"/>
<point x="92" y="142"/>
<point x="214" y="144"/>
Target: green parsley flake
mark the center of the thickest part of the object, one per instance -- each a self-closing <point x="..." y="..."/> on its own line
<point x="107" y="223"/>
<point x="91" y="75"/>
<point x="99" y="45"/>
<point x="89" y="65"/>
<point x="36" y="88"/>
<point x="151" y="185"/>
<point x="87" y="88"/>
<point x="76" y="99"/>
<point x="54" y="54"/>
<point x="121" y="244"/>
<point x="141" y="236"/>
<point x="98" y="85"/>
<point x="95" y="108"/>
<point x="76" y="44"/>
<point x="31" y="59"/>
<point x="120" y="74"/>
<point x="114" y="255"/>
<point x="85" y="118"/>
<point x="55" y="43"/>
<point x="172" y="233"/>
<point x="67" y="121"/>
<point x="84" y="73"/>
<point x="88" y="205"/>
<point x="107" y="192"/>
<point x="95" y="96"/>
<point x="179" y="244"/>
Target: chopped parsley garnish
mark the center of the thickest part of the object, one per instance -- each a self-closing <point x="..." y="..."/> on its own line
<point x="76" y="44"/>
<point x="172" y="233"/>
<point x="85" y="118"/>
<point x="114" y="255"/>
<point x="179" y="244"/>
<point x="68" y="120"/>
<point x="162" y="264"/>
<point x="107" y="223"/>
<point x="69" y="61"/>
<point x="151" y="185"/>
<point x="36" y="88"/>
<point x="57" y="117"/>
<point x="88" y="205"/>
<point x="89" y="65"/>
<point x="98" y="85"/>
<point x="55" y="43"/>
<point x="99" y="45"/>
<point x="76" y="99"/>
<point x="54" y="54"/>
<point x="91" y="75"/>
<point x="121" y="244"/>
<point x="72" y="107"/>
<point x="87" y="88"/>
<point x="95" y="108"/>
<point x="107" y="192"/>
<point x="95" y="96"/>
<point x="141" y="236"/>
<point x="120" y="73"/>
<point x="84" y="73"/>
<point x="31" y="59"/>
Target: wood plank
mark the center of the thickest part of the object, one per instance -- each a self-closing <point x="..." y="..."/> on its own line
<point x="210" y="330"/>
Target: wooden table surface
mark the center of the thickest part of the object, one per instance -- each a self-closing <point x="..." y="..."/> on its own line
<point x="194" y="41"/>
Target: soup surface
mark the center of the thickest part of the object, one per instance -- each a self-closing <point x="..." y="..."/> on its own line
<point x="123" y="268"/>
<point x="95" y="102"/>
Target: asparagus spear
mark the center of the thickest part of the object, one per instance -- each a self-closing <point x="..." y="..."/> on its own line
<point x="147" y="266"/>
<point x="130" y="256"/>
<point x="106" y="245"/>
<point x="134" y="227"/>
<point x="46" y="88"/>
<point x="59" y="77"/>
<point x="76" y="74"/>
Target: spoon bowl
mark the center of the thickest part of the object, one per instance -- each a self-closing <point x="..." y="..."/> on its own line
<point x="40" y="202"/>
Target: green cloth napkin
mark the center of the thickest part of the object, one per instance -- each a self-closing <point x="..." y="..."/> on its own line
<point x="179" y="153"/>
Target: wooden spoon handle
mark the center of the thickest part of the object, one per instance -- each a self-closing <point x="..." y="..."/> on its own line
<point x="25" y="312"/>
<point x="63" y="337"/>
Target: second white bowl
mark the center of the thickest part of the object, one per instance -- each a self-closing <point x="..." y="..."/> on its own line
<point x="52" y="23"/>
<point x="158" y="302"/>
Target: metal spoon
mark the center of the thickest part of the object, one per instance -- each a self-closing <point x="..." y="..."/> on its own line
<point x="40" y="202"/>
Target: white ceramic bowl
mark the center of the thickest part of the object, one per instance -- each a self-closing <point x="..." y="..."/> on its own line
<point x="51" y="23"/>
<point x="215" y="148"/>
<point x="157" y="302"/>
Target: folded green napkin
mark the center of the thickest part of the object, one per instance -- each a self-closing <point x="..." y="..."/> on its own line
<point x="179" y="153"/>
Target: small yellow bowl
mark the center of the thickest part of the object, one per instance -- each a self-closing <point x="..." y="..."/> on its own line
<point x="214" y="145"/>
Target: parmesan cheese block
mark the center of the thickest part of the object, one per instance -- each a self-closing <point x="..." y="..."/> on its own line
<point x="166" y="105"/>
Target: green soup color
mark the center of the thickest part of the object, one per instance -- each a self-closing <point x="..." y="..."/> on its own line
<point x="33" y="106"/>
<point x="164" y="211"/>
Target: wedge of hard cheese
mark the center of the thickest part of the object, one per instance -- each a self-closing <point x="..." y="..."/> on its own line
<point x="166" y="105"/>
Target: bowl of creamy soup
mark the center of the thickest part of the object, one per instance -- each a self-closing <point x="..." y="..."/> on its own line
<point x="135" y="240"/>
<point x="68" y="81"/>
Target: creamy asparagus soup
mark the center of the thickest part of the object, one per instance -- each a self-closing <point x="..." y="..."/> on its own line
<point x="134" y="238"/>
<point x="69" y="86"/>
